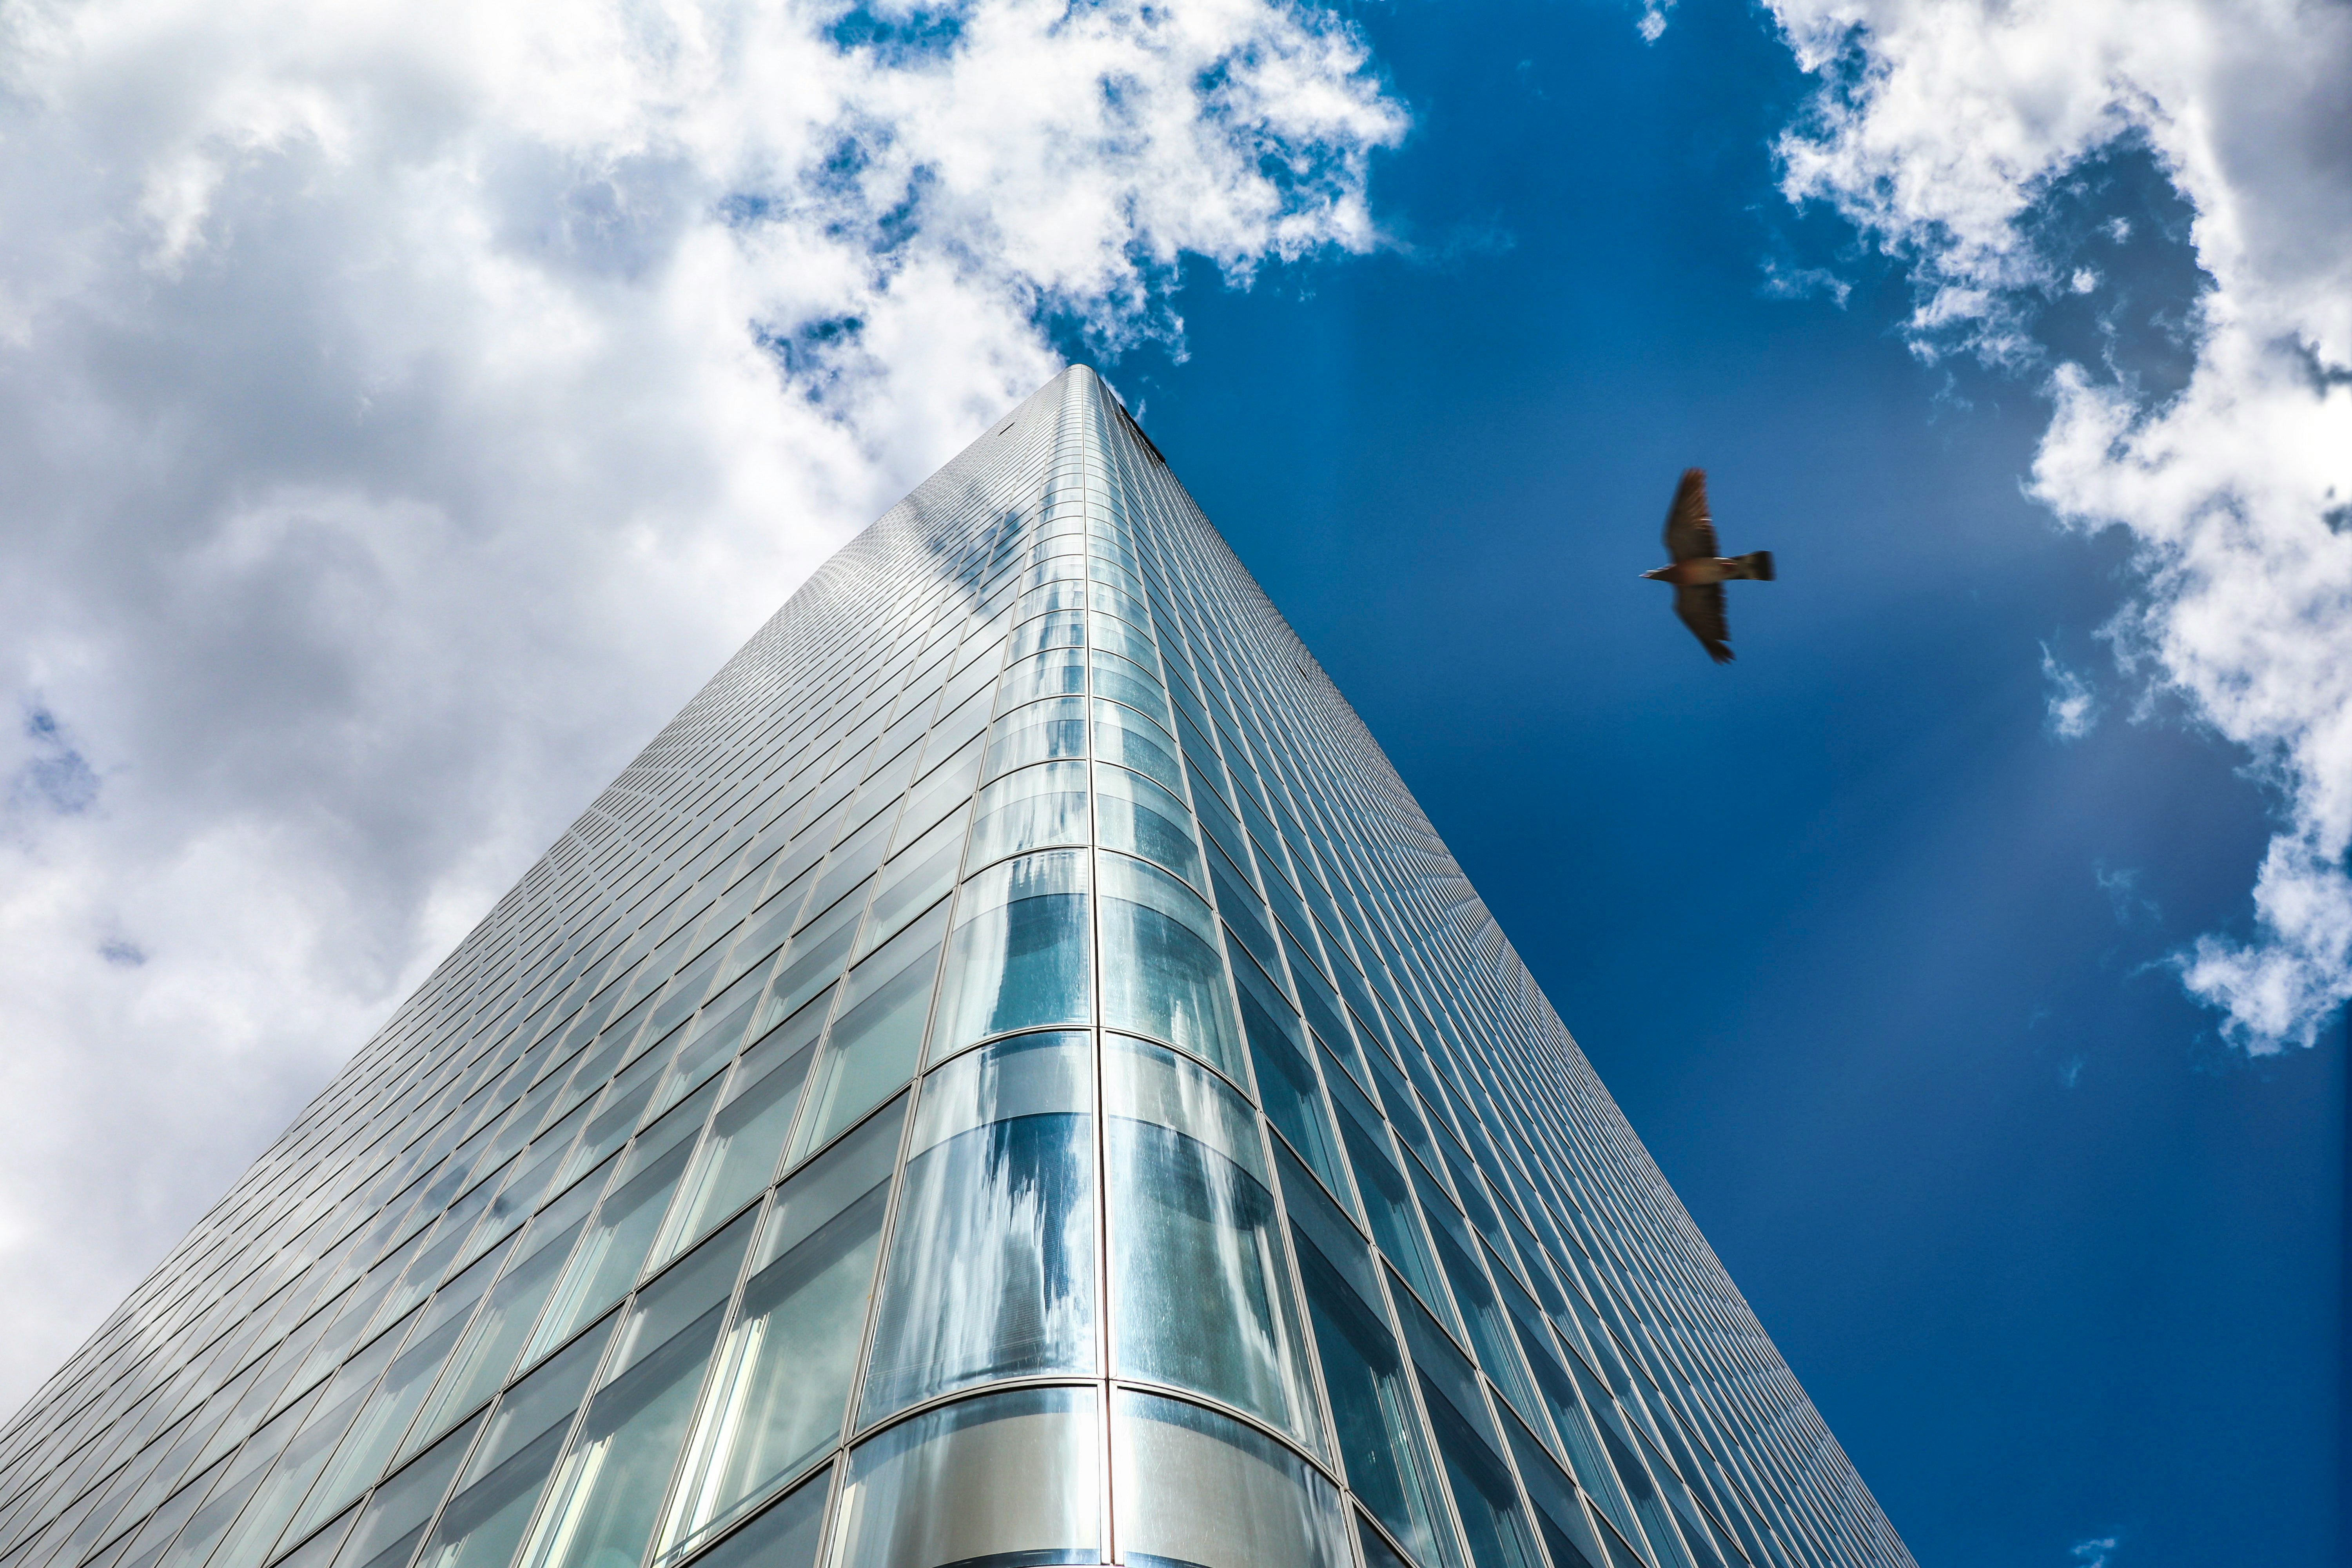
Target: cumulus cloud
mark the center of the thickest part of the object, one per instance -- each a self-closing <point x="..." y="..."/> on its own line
<point x="405" y="405"/>
<point x="1951" y="131"/>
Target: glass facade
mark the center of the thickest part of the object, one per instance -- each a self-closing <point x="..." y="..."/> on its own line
<point x="1007" y="1076"/>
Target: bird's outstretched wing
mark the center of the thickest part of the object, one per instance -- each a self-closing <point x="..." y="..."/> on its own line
<point x="1689" y="530"/>
<point x="1700" y="607"/>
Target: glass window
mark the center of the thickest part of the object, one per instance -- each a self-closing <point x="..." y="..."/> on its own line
<point x="395" y="1517"/>
<point x="315" y="1552"/>
<point x="815" y="960"/>
<point x="1647" y="1504"/>
<point x="991" y="1270"/>
<point x="1162" y="972"/>
<point x="1039" y="732"/>
<point x="1063" y="628"/>
<point x="786" y="1536"/>
<point x="613" y="1251"/>
<point x="1484" y="1498"/>
<point x="1388" y="1203"/>
<point x="448" y="1239"/>
<point x="877" y="1040"/>
<point x="376" y="1433"/>
<point x="603" y="1502"/>
<point x="145" y="1547"/>
<point x="1121" y="638"/>
<point x="1567" y="1535"/>
<point x="1196" y="1250"/>
<point x="924" y="873"/>
<point x="485" y="1520"/>
<point x="1201" y="1490"/>
<point x="1140" y="817"/>
<point x="535" y="1173"/>
<point x="1363" y="1373"/>
<point x="237" y="1484"/>
<point x="274" y="1501"/>
<point x="1121" y="681"/>
<point x="1017" y="957"/>
<point x="1285" y="1079"/>
<point x="785" y="1367"/>
<point x="1006" y="1479"/>
<point x="1126" y="737"/>
<point x="1482" y="1312"/>
<point x="711" y="1042"/>
<point x="617" y="1113"/>
<point x="853" y="860"/>
<point x="1057" y="672"/>
<point x="738" y="1157"/>
<point x="497" y="1336"/>
<point x="1378" y="1552"/>
<point x="1035" y="808"/>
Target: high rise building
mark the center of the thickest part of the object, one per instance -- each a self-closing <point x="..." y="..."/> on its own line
<point x="1008" y="1076"/>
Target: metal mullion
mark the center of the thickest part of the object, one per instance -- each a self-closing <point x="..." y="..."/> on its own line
<point x="1105" y="1483"/>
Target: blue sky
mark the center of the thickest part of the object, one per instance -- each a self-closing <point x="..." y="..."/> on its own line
<point x="1874" y="961"/>
<point x="405" y="406"/>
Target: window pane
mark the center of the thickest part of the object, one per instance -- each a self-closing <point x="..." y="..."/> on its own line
<point x="1285" y="1079"/>
<point x="369" y="1445"/>
<point x="1567" y="1537"/>
<point x="497" y="1336"/>
<point x="1389" y="1204"/>
<point x="1039" y="732"/>
<point x="152" y="1537"/>
<point x="607" y="1262"/>
<point x="1196" y="1251"/>
<point x="1056" y="672"/>
<point x="991" y="1270"/>
<point x="315" y="1552"/>
<point x="1126" y="737"/>
<point x="275" y="1501"/>
<point x="784" y="1369"/>
<point x="237" y="1483"/>
<point x="1483" y="1497"/>
<point x="1162" y="972"/>
<point x="816" y="960"/>
<point x="484" y="1523"/>
<point x="921" y="876"/>
<point x="1372" y="1409"/>
<point x="1136" y="816"/>
<point x="874" y="1043"/>
<point x="395" y="1517"/>
<point x="1032" y="809"/>
<point x="1201" y="1490"/>
<point x="746" y="1140"/>
<point x="1482" y="1312"/>
<point x="786" y="1536"/>
<point x="603" y="1502"/>
<point x="1008" y="1478"/>
<point x="1018" y="956"/>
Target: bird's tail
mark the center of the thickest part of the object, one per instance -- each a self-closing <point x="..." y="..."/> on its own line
<point x="1756" y="563"/>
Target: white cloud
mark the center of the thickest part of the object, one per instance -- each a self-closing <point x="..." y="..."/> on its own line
<point x="1785" y="282"/>
<point x="1945" y="129"/>
<point x="2095" y="1552"/>
<point x="2123" y="890"/>
<point x="405" y="405"/>
<point x="2072" y="709"/>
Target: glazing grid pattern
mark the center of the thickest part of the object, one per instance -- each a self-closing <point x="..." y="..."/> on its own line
<point x="1252" y="1204"/>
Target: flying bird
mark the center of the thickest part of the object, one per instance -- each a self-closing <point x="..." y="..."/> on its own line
<point x="1698" y="574"/>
